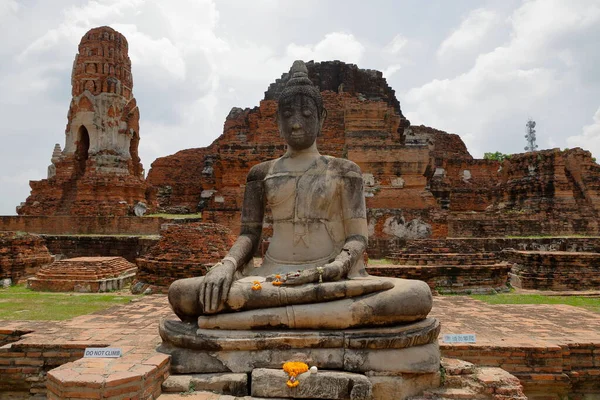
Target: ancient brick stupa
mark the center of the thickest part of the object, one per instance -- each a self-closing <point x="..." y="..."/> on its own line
<point x="99" y="171"/>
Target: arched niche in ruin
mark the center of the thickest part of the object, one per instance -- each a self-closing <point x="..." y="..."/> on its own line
<point x="84" y="102"/>
<point x="82" y="148"/>
<point x="89" y="85"/>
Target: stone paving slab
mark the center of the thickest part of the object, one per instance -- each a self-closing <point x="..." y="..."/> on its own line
<point x="516" y="325"/>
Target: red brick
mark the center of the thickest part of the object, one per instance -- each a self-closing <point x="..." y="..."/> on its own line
<point x="120" y="378"/>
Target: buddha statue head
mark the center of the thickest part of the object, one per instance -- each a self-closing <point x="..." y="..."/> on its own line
<point x="300" y="112"/>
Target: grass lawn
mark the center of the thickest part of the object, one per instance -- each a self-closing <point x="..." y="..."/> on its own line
<point x="589" y="303"/>
<point x="20" y="303"/>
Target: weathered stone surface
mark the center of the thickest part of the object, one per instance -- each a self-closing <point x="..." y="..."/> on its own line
<point x="99" y="170"/>
<point x="402" y="386"/>
<point x="21" y="256"/>
<point x="188" y="361"/>
<point x="417" y="359"/>
<point x="396" y="337"/>
<point x="359" y="350"/>
<point x="352" y="309"/>
<point x="229" y="384"/>
<point x="322" y="385"/>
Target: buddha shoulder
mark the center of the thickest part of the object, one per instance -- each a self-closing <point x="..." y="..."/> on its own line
<point x="344" y="167"/>
<point x="259" y="171"/>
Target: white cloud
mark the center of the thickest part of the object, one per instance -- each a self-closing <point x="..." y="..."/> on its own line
<point x="335" y="46"/>
<point x="158" y="56"/>
<point x="397" y="44"/>
<point x="510" y="80"/>
<point x="8" y="7"/>
<point x="589" y="139"/>
<point x="471" y="32"/>
<point x="391" y="70"/>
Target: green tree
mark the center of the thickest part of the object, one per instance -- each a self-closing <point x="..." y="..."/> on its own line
<point x="497" y="156"/>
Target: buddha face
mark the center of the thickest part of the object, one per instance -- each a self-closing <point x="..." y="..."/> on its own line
<point x="299" y="121"/>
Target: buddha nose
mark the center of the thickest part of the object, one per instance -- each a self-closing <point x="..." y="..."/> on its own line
<point x="296" y="126"/>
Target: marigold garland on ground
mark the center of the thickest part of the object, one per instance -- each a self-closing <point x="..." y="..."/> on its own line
<point x="293" y="369"/>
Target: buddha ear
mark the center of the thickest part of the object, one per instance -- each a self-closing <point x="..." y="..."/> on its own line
<point x="279" y="124"/>
<point x="322" y="119"/>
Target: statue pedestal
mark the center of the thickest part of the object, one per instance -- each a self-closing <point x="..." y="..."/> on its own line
<point x="403" y="359"/>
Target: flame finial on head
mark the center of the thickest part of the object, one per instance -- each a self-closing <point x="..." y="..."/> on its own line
<point x="300" y="84"/>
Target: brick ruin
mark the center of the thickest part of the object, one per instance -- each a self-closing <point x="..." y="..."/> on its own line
<point x="21" y="255"/>
<point x="554" y="270"/>
<point x="99" y="170"/>
<point x="548" y="192"/>
<point x="84" y="275"/>
<point x="445" y="273"/>
<point x="420" y="182"/>
<point x="183" y="251"/>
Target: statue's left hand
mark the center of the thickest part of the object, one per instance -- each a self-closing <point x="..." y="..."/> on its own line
<point x="327" y="273"/>
<point x="300" y="278"/>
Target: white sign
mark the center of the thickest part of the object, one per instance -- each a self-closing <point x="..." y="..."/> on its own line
<point x="105" y="352"/>
<point x="464" y="338"/>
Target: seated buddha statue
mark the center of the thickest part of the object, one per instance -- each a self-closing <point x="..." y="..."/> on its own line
<point x="313" y="275"/>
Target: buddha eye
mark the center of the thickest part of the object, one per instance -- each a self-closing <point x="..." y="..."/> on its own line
<point x="287" y="113"/>
<point x="307" y="112"/>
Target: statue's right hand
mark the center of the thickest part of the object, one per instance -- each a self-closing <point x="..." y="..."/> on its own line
<point x="215" y="286"/>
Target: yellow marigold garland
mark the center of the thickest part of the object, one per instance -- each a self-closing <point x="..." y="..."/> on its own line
<point x="277" y="281"/>
<point x="293" y="369"/>
<point x="256" y="285"/>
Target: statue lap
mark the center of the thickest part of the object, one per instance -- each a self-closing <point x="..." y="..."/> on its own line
<point x="352" y="303"/>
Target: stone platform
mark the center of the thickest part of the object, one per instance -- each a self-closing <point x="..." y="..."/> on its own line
<point x="84" y="274"/>
<point x="457" y="273"/>
<point x="359" y="363"/>
<point x="554" y="270"/>
<point x="552" y="349"/>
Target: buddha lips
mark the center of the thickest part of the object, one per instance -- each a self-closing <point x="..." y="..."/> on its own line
<point x="293" y="369"/>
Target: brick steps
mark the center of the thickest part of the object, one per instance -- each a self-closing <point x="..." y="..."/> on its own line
<point x="84" y="274"/>
<point x="450" y="272"/>
<point x="554" y="270"/>
<point x="465" y="381"/>
<point x="444" y="259"/>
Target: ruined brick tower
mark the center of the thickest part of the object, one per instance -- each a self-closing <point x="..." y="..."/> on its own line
<point x="99" y="171"/>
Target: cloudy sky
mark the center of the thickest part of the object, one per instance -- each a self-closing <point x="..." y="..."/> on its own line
<point x="473" y="67"/>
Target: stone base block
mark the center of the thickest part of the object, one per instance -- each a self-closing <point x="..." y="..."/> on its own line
<point x="402" y="386"/>
<point x="229" y="384"/>
<point x="334" y="385"/>
<point x="410" y="348"/>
